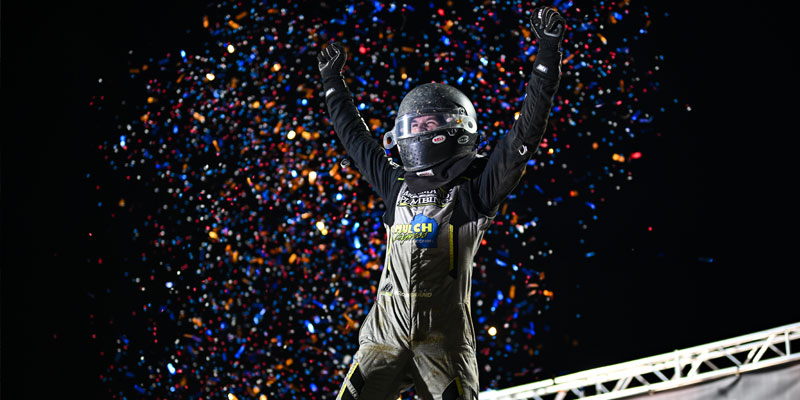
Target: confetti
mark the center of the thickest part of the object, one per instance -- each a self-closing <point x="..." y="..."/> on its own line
<point x="259" y="243"/>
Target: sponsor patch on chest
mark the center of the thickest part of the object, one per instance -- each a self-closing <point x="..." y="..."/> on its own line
<point x="434" y="197"/>
<point x="422" y="230"/>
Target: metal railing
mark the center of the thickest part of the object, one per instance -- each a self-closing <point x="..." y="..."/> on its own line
<point x="666" y="371"/>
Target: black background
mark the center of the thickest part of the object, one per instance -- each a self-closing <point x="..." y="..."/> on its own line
<point x="720" y="187"/>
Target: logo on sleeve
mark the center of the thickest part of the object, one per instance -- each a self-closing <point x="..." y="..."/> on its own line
<point x="422" y="230"/>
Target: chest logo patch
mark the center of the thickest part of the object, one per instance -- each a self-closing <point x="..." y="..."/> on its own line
<point x="433" y="197"/>
<point x="422" y="230"/>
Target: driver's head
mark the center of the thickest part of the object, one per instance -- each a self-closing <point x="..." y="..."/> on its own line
<point x="435" y="123"/>
<point x="426" y="123"/>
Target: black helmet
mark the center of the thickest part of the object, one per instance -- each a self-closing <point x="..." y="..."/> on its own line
<point x="435" y="122"/>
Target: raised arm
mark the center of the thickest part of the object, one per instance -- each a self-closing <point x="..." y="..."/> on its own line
<point x="507" y="162"/>
<point x="370" y="158"/>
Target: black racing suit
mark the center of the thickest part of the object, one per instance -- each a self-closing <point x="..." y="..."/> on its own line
<point x="419" y="331"/>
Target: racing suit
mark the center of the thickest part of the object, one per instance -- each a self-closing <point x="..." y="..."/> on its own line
<point x="419" y="331"/>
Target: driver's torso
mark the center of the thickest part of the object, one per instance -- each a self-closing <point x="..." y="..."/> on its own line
<point x="423" y="297"/>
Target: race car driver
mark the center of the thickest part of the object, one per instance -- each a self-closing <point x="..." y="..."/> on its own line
<point x="439" y="204"/>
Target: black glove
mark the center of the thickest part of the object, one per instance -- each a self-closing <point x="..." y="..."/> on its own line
<point x="548" y="26"/>
<point x="331" y="60"/>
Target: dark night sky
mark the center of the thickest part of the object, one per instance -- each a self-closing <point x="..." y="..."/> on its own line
<point x="718" y="186"/>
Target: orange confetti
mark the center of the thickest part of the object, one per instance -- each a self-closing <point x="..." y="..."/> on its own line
<point x="374" y="123"/>
<point x="350" y="324"/>
<point x="573" y="193"/>
<point x="233" y="24"/>
<point x="121" y="203"/>
<point x="334" y="171"/>
<point x="205" y="21"/>
<point x="447" y="25"/>
<point x="199" y="117"/>
<point x="532" y="288"/>
<point x="241" y="15"/>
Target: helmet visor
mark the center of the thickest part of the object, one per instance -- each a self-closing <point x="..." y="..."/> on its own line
<point x="413" y="124"/>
